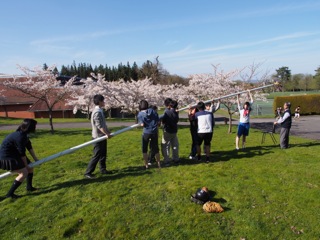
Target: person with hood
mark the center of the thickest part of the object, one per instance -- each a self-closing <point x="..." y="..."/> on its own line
<point x="148" y="118"/>
<point x="13" y="156"/>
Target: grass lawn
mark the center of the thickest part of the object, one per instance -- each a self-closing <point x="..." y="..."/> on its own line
<point x="267" y="193"/>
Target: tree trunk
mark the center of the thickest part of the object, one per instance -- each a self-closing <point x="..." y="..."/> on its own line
<point x="230" y="123"/>
<point x="136" y="116"/>
<point x="50" y="121"/>
<point x="88" y="113"/>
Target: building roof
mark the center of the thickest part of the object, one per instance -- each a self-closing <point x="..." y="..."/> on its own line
<point x="10" y="96"/>
<point x="40" y="106"/>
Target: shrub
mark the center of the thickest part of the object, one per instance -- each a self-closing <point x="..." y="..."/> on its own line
<point x="309" y="104"/>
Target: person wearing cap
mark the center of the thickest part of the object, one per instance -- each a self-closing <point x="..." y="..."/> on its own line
<point x="285" y="122"/>
<point x="13" y="156"/>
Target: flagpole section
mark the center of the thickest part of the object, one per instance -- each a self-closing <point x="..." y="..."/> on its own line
<point x="73" y="149"/>
<point x="229" y="95"/>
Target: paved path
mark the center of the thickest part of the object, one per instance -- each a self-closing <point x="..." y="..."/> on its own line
<point x="307" y="126"/>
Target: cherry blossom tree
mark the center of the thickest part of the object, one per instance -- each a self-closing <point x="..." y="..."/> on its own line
<point x="217" y="84"/>
<point x="81" y="97"/>
<point x="118" y="94"/>
<point x="42" y="85"/>
<point x="202" y="87"/>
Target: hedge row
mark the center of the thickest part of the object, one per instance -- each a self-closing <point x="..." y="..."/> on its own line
<point x="309" y="104"/>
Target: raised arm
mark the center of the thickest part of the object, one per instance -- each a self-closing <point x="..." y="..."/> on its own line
<point x="217" y="106"/>
<point x="250" y="95"/>
<point x="238" y="101"/>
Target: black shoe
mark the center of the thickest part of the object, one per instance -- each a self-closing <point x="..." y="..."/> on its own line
<point x="89" y="175"/>
<point x="13" y="196"/>
<point x="32" y="189"/>
<point x="106" y="172"/>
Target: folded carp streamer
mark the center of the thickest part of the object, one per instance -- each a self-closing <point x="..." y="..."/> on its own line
<point x="212" y="207"/>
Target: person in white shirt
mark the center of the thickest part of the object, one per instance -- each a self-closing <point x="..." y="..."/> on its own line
<point x="204" y="121"/>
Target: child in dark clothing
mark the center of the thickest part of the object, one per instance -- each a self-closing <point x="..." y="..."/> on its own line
<point x="151" y="156"/>
<point x="193" y="131"/>
<point x="13" y="156"/>
<point x="170" y="128"/>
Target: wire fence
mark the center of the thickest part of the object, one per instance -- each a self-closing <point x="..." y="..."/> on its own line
<point x="259" y="108"/>
<point x="262" y="108"/>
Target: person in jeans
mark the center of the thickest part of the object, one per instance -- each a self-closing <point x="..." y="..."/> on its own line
<point x="99" y="129"/>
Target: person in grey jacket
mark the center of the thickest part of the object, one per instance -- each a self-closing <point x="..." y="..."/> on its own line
<point x="99" y="129"/>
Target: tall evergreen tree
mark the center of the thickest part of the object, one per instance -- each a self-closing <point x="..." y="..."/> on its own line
<point x="284" y="75"/>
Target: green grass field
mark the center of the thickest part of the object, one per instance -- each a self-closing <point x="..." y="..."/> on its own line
<point x="267" y="193"/>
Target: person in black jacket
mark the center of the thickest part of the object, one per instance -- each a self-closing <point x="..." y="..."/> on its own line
<point x="13" y="155"/>
<point x="169" y="140"/>
<point x="193" y="131"/>
<point x="285" y="122"/>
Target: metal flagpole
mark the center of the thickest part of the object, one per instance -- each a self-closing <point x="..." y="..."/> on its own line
<point x="73" y="149"/>
<point x="230" y="95"/>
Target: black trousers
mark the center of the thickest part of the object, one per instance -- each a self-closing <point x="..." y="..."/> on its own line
<point x="99" y="155"/>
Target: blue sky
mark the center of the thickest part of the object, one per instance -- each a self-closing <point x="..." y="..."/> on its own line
<point x="187" y="35"/>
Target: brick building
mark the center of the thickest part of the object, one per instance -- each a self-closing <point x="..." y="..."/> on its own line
<point x="14" y="104"/>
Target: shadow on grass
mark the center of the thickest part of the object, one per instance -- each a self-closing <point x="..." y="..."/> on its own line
<point x="250" y="152"/>
<point x="307" y="144"/>
<point x="223" y="156"/>
<point x="132" y="171"/>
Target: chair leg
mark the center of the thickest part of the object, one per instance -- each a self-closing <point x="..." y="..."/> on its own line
<point x="273" y="138"/>
<point x="263" y="137"/>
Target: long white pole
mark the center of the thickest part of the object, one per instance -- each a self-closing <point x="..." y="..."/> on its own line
<point x="73" y="149"/>
<point x="230" y="95"/>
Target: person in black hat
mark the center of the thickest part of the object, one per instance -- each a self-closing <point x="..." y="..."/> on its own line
<point x="13" y="155"/>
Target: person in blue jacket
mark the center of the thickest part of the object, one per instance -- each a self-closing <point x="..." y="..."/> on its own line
<point x="149" y="120"/>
